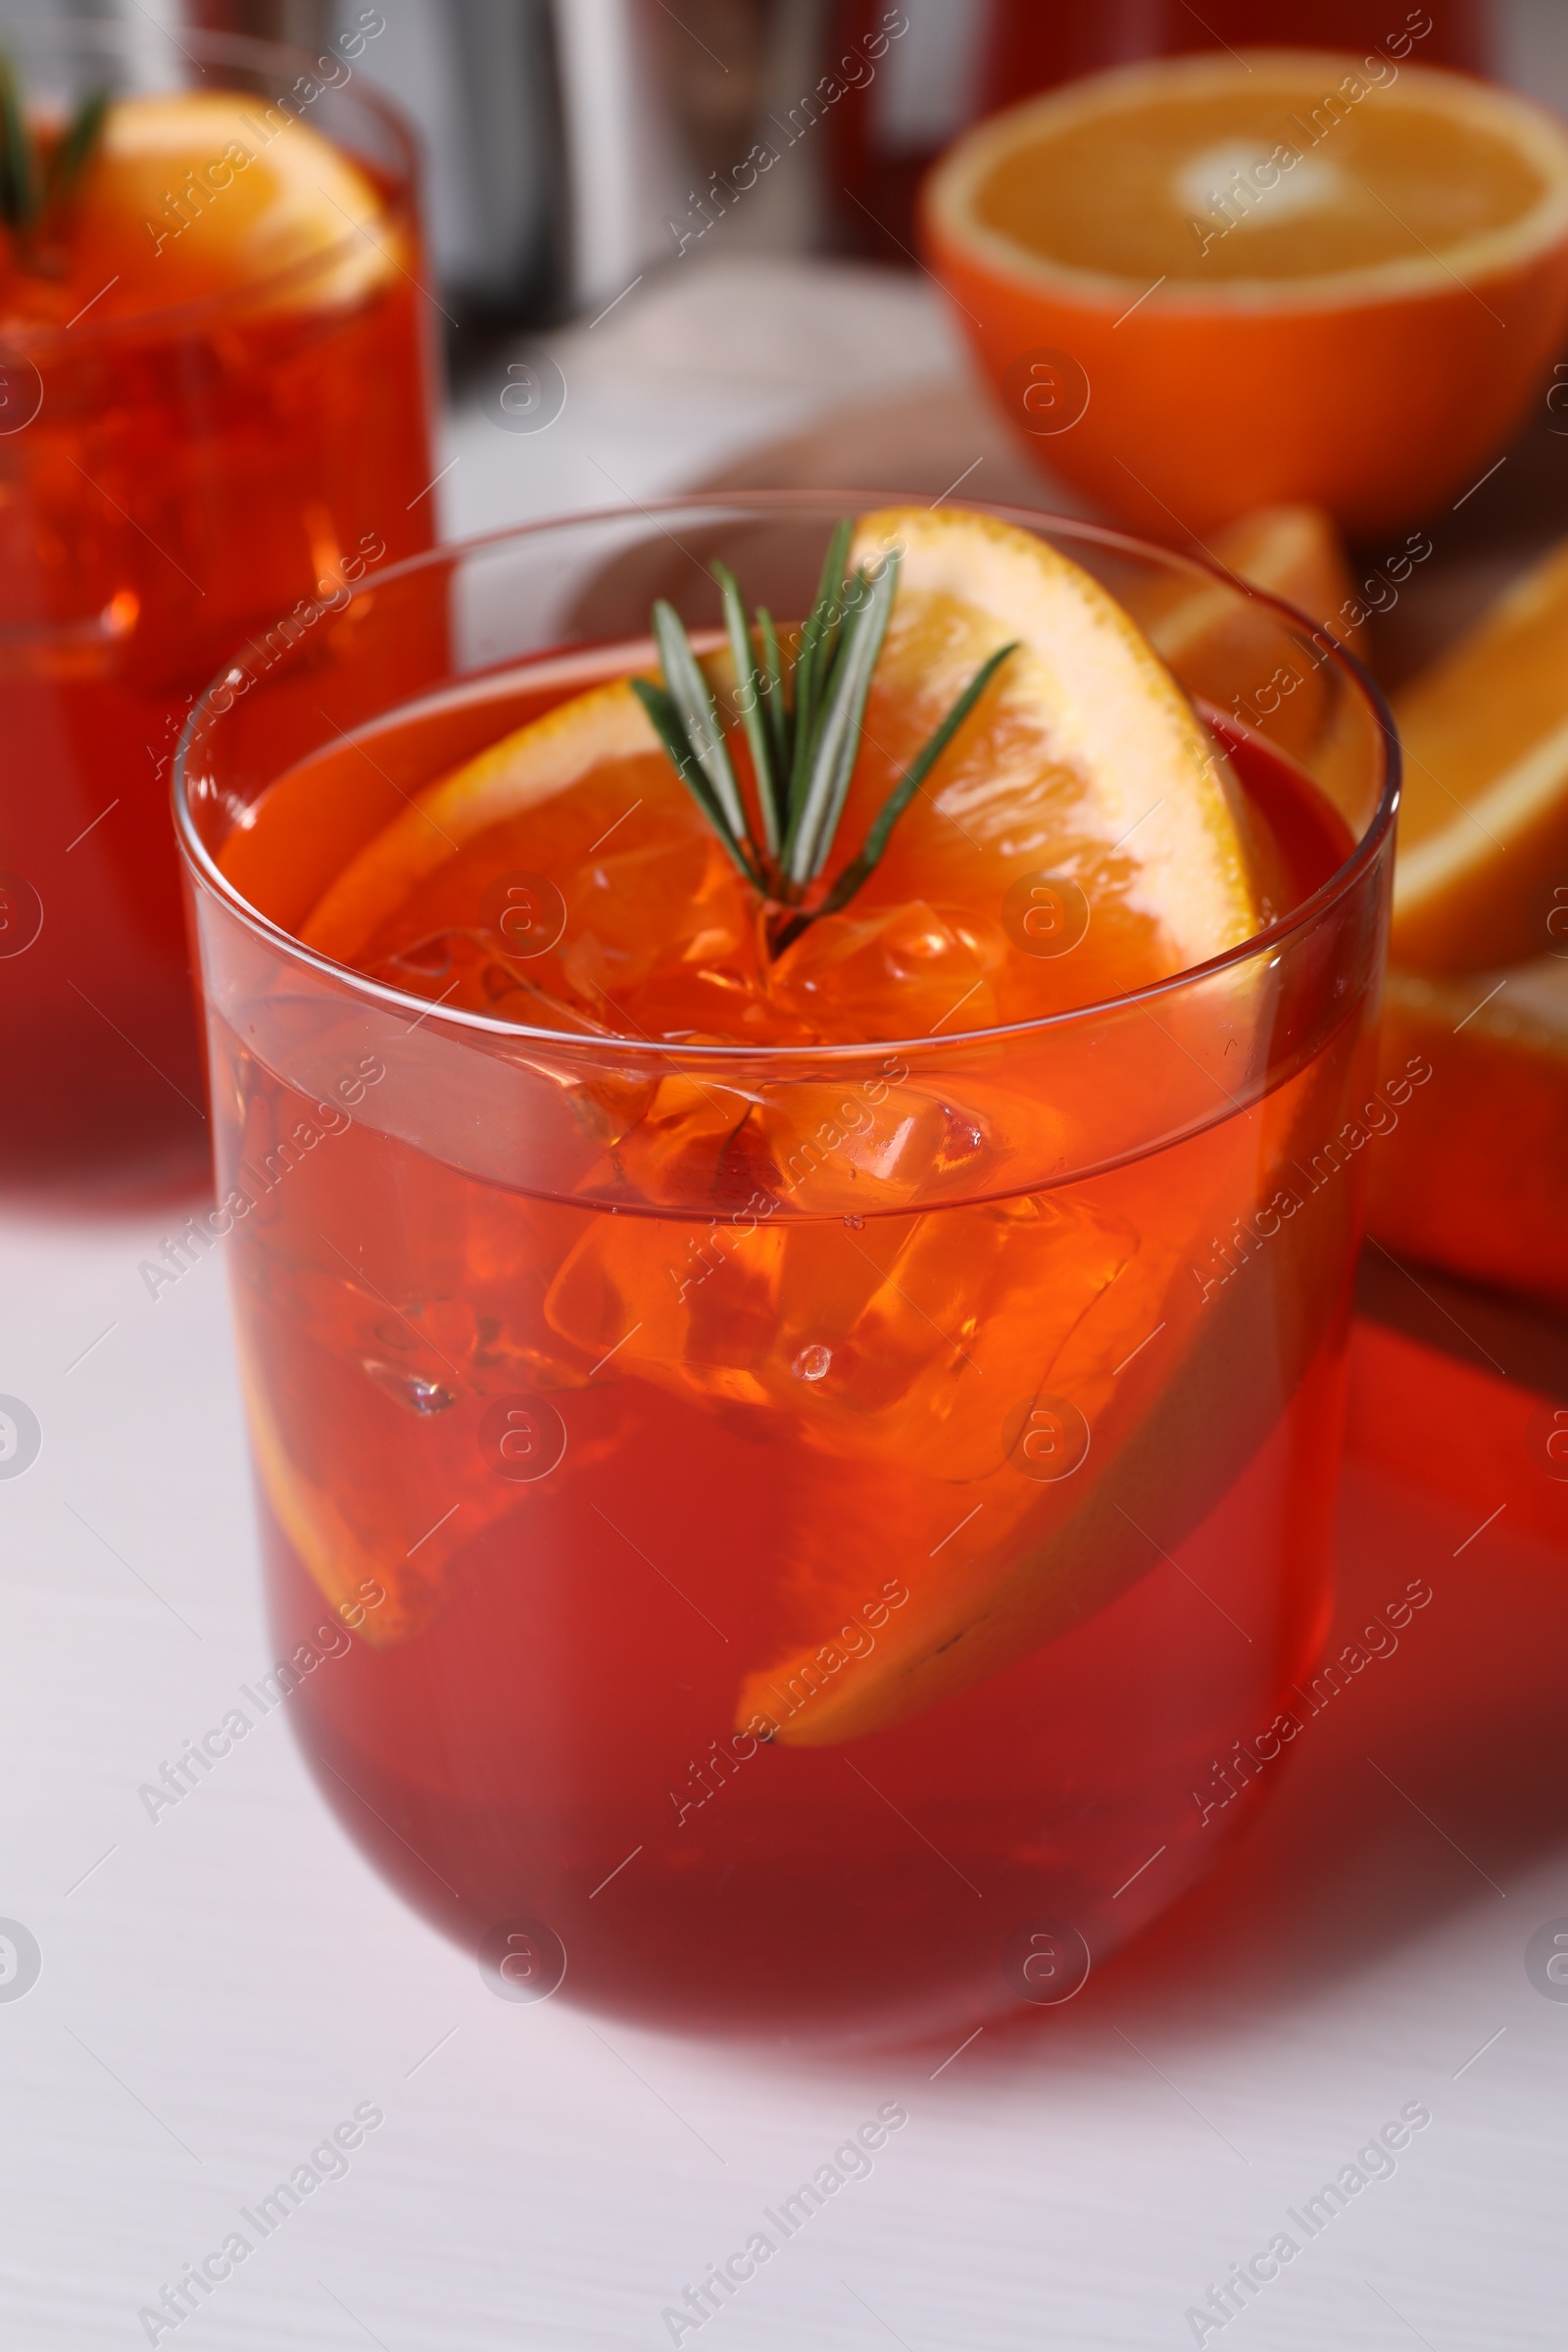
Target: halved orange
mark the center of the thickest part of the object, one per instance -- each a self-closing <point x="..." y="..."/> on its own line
<point x="1247" y="279"/>
<point x="1483" y="856"/>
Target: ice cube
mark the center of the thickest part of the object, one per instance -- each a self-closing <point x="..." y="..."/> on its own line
<point x="910" y="1339"/>
<point x="906" y="970"/>
<point x="869" y="1145"/>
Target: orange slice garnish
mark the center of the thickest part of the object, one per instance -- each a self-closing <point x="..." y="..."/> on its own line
<point x="1085" y="759"/>
<point x="198" y="192"/>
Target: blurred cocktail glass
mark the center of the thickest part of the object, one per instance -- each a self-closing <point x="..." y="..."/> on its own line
<point x="813" y="1537"/>
<point x="215" y="417"/>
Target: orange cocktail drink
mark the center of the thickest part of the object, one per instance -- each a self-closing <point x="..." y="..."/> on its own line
<point x="214" y="420"/>
<point x="795" y="1408"/>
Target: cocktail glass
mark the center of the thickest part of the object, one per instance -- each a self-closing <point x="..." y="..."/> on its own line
<point x="173" y="483"/>
<point x="844" y="1587"/>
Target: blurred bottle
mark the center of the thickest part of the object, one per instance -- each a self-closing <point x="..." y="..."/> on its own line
<point x="307" y="24"/>
<point x="714" y="58"/>
<point x="954" y="64"/>
<point x="572" y="146"/>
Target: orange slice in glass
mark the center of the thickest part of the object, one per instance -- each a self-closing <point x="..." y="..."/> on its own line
<point x="197" y="192"/>
<point x="1085" y="760"/>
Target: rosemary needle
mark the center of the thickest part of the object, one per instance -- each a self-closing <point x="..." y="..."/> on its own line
<point x="802" y="727"/>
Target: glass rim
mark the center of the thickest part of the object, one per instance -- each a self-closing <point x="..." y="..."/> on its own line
<point x="207" y="874"/>
<point x="83" y="36"/>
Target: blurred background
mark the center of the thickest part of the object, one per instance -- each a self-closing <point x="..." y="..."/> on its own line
<point x="632" y="299"/>
<point x="572" y="143"/>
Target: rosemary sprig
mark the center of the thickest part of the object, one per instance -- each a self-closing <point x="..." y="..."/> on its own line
<point x="34" y="188"/>
<point x="802" y="729"/>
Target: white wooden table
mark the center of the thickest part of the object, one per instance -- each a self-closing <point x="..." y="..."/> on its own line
<point x="224" y="1984"/>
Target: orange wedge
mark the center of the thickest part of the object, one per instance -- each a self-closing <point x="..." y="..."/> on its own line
<point x="1294" y="553"/>
<point x="1167" y="1430"/>
<point x="193" y="193"/>
<point x="1212" y="638"/>
<point x="1216" y="283"/>
<point x="1474" y="1176"/>
<point x="1483" y="856"/>
<point x="346" y="1558"/>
